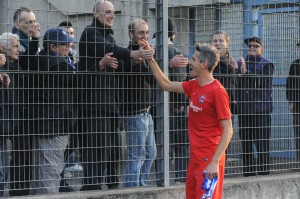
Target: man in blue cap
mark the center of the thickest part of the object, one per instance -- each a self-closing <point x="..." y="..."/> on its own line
<point x="55" y="112"/>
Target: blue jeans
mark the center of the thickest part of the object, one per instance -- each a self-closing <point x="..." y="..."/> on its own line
<point x="141" y="149"/>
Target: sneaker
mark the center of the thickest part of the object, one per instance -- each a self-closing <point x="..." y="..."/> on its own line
<point x="75" y="167"/>
<point x="66" y="188"/>
<point x="67" y="174"/>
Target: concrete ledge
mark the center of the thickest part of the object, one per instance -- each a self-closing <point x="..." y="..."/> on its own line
<point x="275" y="186"/>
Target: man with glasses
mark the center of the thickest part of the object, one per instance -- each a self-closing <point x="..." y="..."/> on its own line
<point x="254" y="107"/>
<point x="99" y="56"/>
<point x="26" y="27"/>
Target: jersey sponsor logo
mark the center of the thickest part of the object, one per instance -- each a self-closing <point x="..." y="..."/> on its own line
<point x="195" y="108"/>
<point x="202" y="98"/>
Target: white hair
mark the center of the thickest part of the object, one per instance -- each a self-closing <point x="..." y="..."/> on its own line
<point x="6" y="38"/>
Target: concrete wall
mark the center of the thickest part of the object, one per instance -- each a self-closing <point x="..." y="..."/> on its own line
<point x="276" y="186"/>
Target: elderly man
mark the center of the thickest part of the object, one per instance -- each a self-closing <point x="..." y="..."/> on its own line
<point x="9" y="43"/>
<point x="55" y="111"/>
<point x="255" y="107"/>
<point x="98" y="59"/>
<point x="26" y="27"/>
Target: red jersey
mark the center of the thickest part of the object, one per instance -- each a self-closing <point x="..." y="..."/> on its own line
<point x="208" y="105"/>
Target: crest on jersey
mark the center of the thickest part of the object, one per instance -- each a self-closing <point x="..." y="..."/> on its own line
<point x="202" y="98"/>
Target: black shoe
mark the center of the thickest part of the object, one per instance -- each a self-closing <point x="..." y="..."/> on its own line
<point x="249" y="174"/>
<point x="112" y="186"/>
<point x="263" y="173"/>
<point x="90" y="187"/>
<point x="66" y="188"/>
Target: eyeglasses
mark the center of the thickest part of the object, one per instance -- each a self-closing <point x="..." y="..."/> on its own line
<point x="255" y="46"/>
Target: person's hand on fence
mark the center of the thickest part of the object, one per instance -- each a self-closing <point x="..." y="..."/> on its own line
<point x="291" y="106"/>
<point x="4" y="79"/>
<point x="243" y="65"/>
<point x="2" y="59"/>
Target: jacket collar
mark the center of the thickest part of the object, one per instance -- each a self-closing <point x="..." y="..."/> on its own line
<point x="100" y="27"/>
<point x="23" y="37"/>
<point x="133" y="46"/>
<point x="256" y="58"/>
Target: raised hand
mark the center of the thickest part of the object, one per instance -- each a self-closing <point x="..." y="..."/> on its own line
<point x="34" y="30"/>
<point x="108" y="60"/>
<point x="178" y="61"/>
<point x="243" y="65"/>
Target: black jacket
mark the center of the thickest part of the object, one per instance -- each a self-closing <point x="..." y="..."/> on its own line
<point x="135" y="81"/>
<point x="56" y="114"/>
<point x="225" y="73"/>
<point x="9" y="100"/>
<point x="29" y="48"/>
<point x="98" y="87"/>
<point x="293" y="85"/>
<point x="254" y="92"/>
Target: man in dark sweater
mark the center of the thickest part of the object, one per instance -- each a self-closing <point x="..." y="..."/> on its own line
<point x="135" y="85"/>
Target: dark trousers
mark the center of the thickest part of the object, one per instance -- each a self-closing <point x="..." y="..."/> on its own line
<point x="255" y="129"/>
<point x="20" y="169"/>
<point x="296" y="123"/>
<point x="179" y="143"/>
<point x="99" y="151"/>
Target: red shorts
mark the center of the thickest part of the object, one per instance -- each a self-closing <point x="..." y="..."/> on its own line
<point x="194" y="180"/>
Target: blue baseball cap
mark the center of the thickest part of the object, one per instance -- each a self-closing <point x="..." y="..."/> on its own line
<point x="58" y="35"/>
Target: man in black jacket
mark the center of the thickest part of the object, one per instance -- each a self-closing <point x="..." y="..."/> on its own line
<point x="99" y="111"/>
<point x="55" y="111"/>
<point x="26" y="27"/>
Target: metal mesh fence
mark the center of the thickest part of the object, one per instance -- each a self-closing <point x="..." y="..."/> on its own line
<point x="75" y="117"/>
